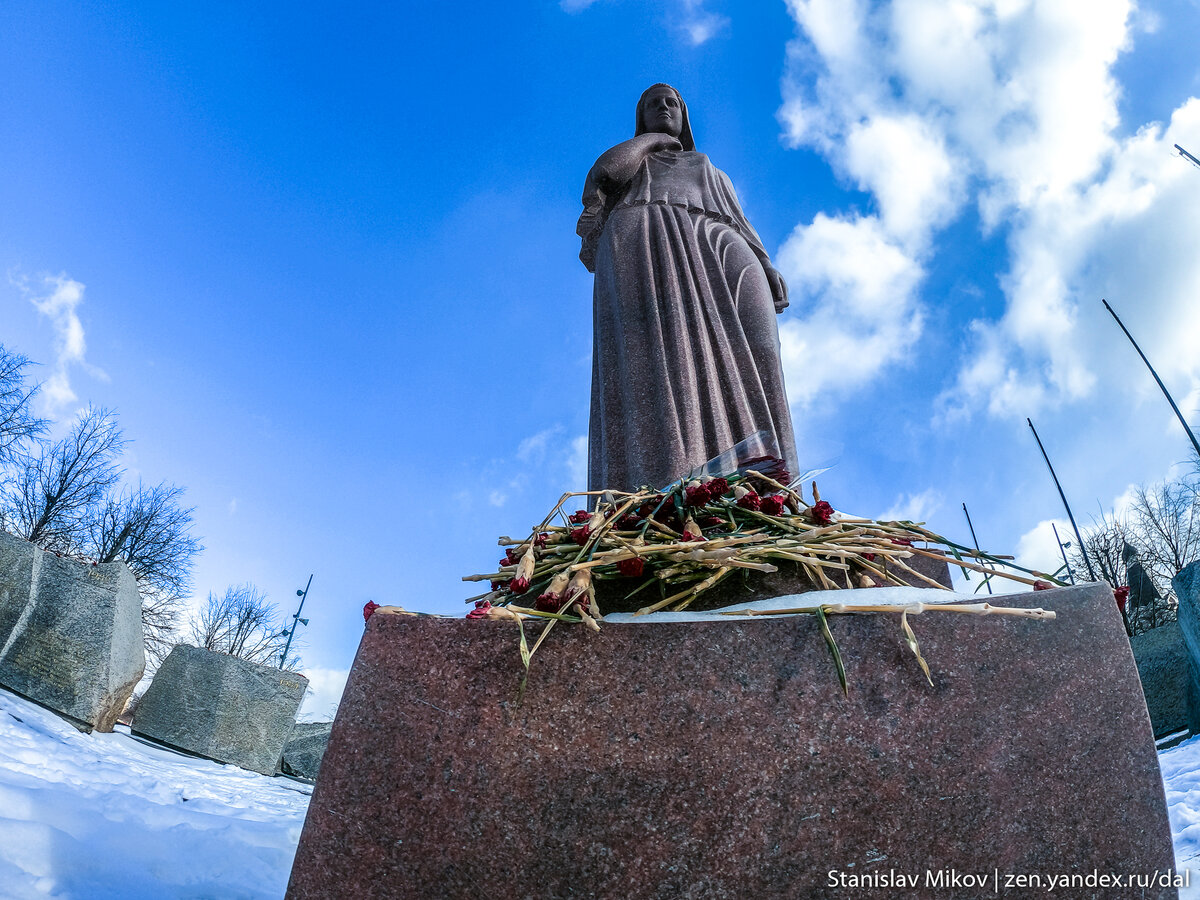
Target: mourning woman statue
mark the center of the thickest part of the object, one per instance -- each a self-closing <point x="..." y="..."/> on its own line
<point x="685" y="359"/>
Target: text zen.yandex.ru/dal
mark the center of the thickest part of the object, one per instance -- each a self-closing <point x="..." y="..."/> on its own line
<point x="998" y="882"/>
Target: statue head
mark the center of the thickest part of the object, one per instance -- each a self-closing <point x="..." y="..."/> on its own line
<point x="661" y="109"/>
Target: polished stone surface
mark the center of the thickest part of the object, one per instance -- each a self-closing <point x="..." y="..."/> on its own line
<point x="721" y="760"/>
<point x="685" y="353"/>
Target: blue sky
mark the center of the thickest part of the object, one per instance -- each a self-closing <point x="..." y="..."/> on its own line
<point x="323" y="260"/>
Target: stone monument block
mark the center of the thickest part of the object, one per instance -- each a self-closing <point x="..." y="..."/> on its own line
<point x="302" y="754"/>
<point x="1162" y="664"/>
<point x="1187" y="591"/>
<point x="221" y="707"/>
<point x="70" y="633"/>
<point x="721" y="760"/>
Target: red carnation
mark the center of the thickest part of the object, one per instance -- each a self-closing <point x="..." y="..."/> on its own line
<point x="869" y="557"/>
<point x="697" y="495"/>
<point x="580" y="516"/>
<point x="371" y="606"/>
<point x="717" y="488"/>
<point x="1040" y="585"/>
<point x="632" y="568"/>
<point x="481" y="610"/>
<point x="773" y="505"/>
<point x="510" y="557"/>
<point x="580" y="535"/>
<point x="710" y="521"/>
<point x="539" y="541"/>
<point x="749" y="499"/>
<point x="903" y="542"/>
<point x="499" y="585"/>
<point x="548" y="603"/>
<point x="822" y="512"/>
<point x="1122" y="595"/>
<point x="519" y="585"/>
<point x="628" y="522"/>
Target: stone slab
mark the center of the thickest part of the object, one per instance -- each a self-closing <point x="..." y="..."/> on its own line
<point x="221" y="707"/>
<point x="305" y="749"/>
<point x="1162" y="664"/>
<point x="70" y="633"/>
<point x="1186" y="585"/>
<point x="720" y="760"/>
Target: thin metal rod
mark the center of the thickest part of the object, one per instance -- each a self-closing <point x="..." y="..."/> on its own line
<point x="1162" y="387"/>
<point x="295" y="622"/>
<point x="1066" y="505"/>
<point x="1063" y="551"/>
<point x="1188" y="156"/>
<point x="987" y="579"/>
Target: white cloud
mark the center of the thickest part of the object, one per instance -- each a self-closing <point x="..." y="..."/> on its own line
<point x="1038" y="549"/>
<point x="697" y="23"/>
<point x="497" y="498"/>
<point x="325" y="687"/>
<point x="577" y="463"/>
<point x="913" y="507"/>
<point x="1012" y="105"/>
<point x="59" y="305"/>
<point x="700" y="24"/>
<point x="860" y="307"/>
<point x="533" y="448"/>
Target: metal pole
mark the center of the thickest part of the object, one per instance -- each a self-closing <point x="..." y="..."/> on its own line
<point x="987" y="579"/>
<point x="295" y="622"/>
<point x="1163" y="387"/>
<point x="1188" y="156"/>
<point x="1066" y="505"/>
<point x="1063" y="551"/>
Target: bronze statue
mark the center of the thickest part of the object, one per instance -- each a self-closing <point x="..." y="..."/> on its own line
<point x="685" y="358"/>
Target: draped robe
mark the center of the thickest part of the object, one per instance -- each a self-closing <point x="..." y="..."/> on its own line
<point x="685" y="359"/>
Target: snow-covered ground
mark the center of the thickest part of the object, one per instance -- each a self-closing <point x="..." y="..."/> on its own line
<point x="107" y="817"/>
<point x="100" y="816"/>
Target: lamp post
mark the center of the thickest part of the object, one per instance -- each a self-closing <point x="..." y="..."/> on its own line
<point x="987" y="579"/>
<point x="296" y="621"/>
<point x="1062" y="548"/>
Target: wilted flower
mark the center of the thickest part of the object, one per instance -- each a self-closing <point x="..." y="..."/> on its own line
<point x="499" y="585"/>
<point x="632" y="568"/>
<point x="822" y="512"/>
<point x="747" y="498"/>
<point x="869" y="557"/>
<point x="628" y="522"/>
<point x="579" y="585"/>
<point x="370" y="606"/>
<point x="552" y="599"/>
<point x="691" y="531"/>
<point x="773" y="505"/>
<point x="696" y="494"/>
<point x="1122" y="595"/>
<point x="481" y="610"/>
<point x="710" y="521"/>
<point x="520" y="582"/>
<point x="579" y="516"/>
<point x="1040" y="585"/>
<point x="580" y="535"/>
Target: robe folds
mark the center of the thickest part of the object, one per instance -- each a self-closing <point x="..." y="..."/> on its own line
<point x="685" y="359"/>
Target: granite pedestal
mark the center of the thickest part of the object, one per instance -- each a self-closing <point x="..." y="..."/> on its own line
<point x="721" y="760"/>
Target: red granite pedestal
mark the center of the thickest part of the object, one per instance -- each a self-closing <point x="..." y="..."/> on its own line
<point x="721" y="760"/>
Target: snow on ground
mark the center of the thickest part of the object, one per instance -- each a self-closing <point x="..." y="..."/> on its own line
<point x="100" y="816"/>
<point x="1180" y="767"/>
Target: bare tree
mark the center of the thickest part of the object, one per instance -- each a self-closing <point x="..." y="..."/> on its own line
<point x="1167" y="532"/>
<point x="241" y="623"/>
<point x="18" y="425"/>
<point x="151" y="531"/>
<point x="53" y="495"/>
<point x="1104" y="541"/>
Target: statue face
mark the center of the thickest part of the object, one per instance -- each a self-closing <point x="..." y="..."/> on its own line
<point x="662" y="113"/>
